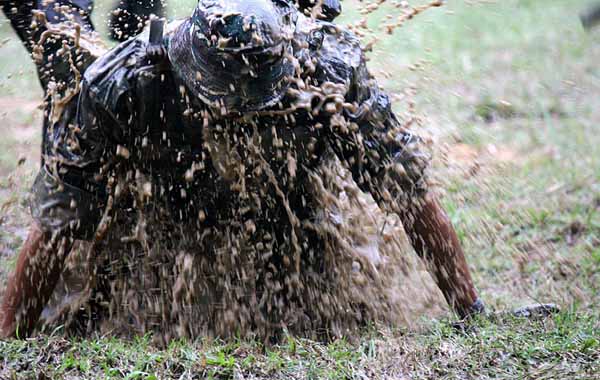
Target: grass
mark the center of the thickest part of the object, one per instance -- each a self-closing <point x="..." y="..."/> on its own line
<point x="507" y="348"/>
<point x="509" y="91"/>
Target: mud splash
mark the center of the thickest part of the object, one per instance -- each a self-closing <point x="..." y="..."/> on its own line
<point x="322" y="275"/>
<point x="181" y="282"/>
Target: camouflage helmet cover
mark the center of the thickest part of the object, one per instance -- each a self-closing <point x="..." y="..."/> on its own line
<point x="233" y="54"/>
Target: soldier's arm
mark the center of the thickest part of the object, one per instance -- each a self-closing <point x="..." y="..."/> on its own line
<point x="70" y="191"/>
<point x="390" y="163"/>
<point x="27" y="17"/>
<point x="66" y="205"/>
<point x="20" y="14"/>
<point x="39" y="265"/>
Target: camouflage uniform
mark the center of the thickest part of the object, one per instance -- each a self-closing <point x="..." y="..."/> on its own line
<point x="232" y="163"/>
<point x="132" y="104"/>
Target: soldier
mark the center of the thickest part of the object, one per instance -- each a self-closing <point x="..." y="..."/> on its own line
<point x="226" y="117"/>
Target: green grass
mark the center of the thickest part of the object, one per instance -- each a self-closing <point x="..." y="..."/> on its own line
<point x="566" y="346"/>
<point x="516" y="83"/>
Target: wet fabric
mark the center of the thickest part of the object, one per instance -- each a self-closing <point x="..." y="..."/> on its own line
<point x="220" y="224"/>
<point x="129" y="105"/>
<point x="19" y="13"/>
<point x="29" y="20"/>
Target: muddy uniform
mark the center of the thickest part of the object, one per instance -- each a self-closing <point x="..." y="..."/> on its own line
<point x="207" y="153"/>
<point x="134" y="113"/>
<point x="19" y="13"/>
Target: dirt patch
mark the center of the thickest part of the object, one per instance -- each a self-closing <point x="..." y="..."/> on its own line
<point x="22" y="131"/>
<point x="490" y="111"/>
<point x="467" y="161"/>
<point x="24" y="105"/>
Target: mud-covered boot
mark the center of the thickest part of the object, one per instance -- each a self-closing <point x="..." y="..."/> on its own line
<point x="476" y="309"/>
<point x="536" y="310"/>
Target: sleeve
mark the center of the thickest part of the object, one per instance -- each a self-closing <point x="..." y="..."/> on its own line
<point x="385" y="160"/>
<point x="80" y="151"/>
<point x="20" y="13"/>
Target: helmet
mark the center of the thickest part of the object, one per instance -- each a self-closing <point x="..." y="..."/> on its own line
<point x="233" y="54"/>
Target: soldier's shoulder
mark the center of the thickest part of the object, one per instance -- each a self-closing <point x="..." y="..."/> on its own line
<point x="330" y="41"/>
<point x="124" y="69"/>
<point x="335" y="51"/>
<point x="121" y="68"/>
<point x="117" y="60"/>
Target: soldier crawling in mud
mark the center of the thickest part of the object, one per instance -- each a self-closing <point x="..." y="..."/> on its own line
<point x="222" y="124"/>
